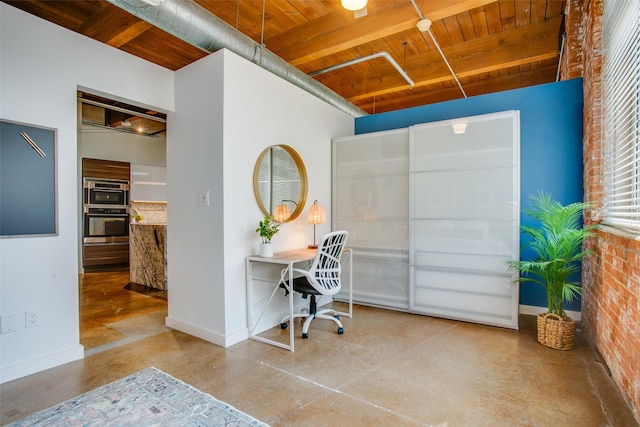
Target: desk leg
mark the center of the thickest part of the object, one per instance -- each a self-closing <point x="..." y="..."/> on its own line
<point x="251" y="326"/>
<point x="291" y="321"/>
<point x="350" y="313"/>
<point x="351" y="283"/>
<point x="249" y="279"/>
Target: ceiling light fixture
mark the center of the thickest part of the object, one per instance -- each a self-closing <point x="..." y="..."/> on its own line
<point x="459" y="127"/>
<point x="424" y="25"/>
<point x="354" y="4"/>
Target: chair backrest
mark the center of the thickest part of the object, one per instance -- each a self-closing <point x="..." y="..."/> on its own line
<point x="325" y="268"/>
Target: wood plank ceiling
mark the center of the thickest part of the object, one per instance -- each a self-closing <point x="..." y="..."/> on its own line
<point x="490" y="45"/>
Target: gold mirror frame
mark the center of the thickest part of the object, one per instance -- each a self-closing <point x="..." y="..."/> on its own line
<point x="302" y="172"/>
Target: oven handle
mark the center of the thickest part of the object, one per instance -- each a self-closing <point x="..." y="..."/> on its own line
<point x="86" y="207"/>
<point x="109" y="215"/>
<point x="103" y="241"/>
<point x="107" y="190"/>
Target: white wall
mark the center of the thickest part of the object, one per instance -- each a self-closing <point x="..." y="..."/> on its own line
<point x="41" y="68"/>
<point x="235" y="110"/>
<point x="195" y="232"/>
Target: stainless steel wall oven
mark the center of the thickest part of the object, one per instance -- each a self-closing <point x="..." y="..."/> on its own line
<point x="100" y="192"/>
<point x="106" y="225"/>
<point x="105" y="221"/>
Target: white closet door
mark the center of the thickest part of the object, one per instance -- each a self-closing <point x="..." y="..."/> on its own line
<point x="464" y="219"/>
<point x="371" y="201"/>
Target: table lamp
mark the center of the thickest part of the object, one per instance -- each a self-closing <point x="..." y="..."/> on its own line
<point x="281" y="213"/>
<point x="317" y="215"/>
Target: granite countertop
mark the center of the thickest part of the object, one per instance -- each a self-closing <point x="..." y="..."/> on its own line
<point x="148" y="254"/>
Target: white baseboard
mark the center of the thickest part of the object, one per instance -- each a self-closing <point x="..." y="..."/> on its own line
<point x="236" y="337"/>
<point x="22" y="369"/>
<point x="535" y="310"/>
<point x="206" y="334"/>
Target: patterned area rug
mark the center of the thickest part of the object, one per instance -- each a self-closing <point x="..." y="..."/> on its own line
<point x="146" y="398"/>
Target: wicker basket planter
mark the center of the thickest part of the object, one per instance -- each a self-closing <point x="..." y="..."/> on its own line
<point x="555" y="331"/>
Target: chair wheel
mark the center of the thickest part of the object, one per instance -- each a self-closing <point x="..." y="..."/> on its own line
<point x="305" y="336"/>
<point x="283" y="326"/>
<point x="340" y="331"/>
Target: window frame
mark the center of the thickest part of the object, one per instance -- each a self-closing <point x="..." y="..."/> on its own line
<point x="621" y="114"/>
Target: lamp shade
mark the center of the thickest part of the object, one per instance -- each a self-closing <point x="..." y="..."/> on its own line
<point x="317" y="214"/>
<point x="354" y="4"/>
<point x="281" y="213"/>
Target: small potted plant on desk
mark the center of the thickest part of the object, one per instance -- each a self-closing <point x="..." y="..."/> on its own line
<point x="557" y="245"/>
<point x="267" y="228"/>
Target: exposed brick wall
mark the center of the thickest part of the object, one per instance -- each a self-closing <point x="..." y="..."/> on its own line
<point x="572" y="62"/>
<point x="611" y="307"/>
<point x="611" y="275"/>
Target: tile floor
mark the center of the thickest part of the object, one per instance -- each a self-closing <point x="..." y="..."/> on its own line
<point x="388" y="369"/>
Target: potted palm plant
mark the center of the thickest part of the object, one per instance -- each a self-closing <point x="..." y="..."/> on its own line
<point x="556" y="242"/>
<point x="267" y="228"/>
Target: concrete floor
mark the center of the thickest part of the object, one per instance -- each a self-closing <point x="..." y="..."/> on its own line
<point x="388" y="369"/>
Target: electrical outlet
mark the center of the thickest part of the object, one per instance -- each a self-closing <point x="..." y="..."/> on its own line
<point x="8" y="323"/>
<point x="31" y="319"/>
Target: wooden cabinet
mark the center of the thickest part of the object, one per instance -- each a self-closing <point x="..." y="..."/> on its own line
<point x="105" y="169"/>
<point x="106" y="255"/>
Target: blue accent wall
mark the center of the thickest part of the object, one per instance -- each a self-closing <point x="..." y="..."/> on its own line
<point x="550" y="143"/>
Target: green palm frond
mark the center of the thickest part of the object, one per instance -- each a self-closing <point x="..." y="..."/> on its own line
<point x="557" y="245"/>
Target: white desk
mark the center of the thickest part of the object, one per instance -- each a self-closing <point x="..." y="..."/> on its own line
<point x="287" y="259"/>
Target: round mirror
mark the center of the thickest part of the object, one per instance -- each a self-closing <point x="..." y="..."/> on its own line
<point x="280" y="183"/>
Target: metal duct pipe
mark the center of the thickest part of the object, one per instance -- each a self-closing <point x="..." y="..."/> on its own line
<point x="195" y="25"/>
<point x="381" y="54"/>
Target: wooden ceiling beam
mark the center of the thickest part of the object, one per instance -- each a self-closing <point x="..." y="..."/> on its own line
<point x="113" y="26"/>
<point x="339" y="31"/>
<point x="498" y="84"/>
<point x="512" y="48"/>
<point x="130" y="33"/>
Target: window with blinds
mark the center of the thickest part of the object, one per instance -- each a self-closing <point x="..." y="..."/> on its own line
<point x="621" y="84"/>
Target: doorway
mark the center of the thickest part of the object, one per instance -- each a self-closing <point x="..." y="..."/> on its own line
<point x="114" y="311"/>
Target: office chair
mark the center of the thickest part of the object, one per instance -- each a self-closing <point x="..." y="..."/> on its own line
<point x="321" y="278"/>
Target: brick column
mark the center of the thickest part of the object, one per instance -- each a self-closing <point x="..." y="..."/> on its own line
<point x="611" y="274"/>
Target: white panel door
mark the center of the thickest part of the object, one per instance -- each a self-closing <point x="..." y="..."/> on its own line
<point x="371" y="201"/>
<point x="464" y="219"/>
